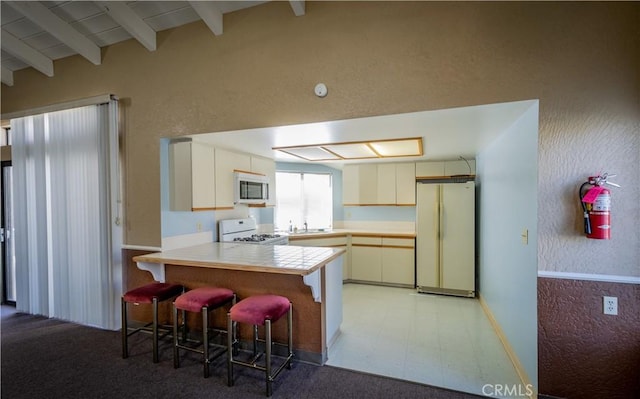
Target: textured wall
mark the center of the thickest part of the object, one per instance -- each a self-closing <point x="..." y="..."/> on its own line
<point x="580" y="59"/>
<point x="583" y="353"/>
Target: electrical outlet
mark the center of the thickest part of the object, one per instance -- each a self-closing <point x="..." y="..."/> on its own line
<point x="610" y="304"/>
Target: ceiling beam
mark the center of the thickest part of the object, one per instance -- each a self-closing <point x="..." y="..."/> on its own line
<point x="7" y="76"/>
<point x="298" y="7"/>
<point x="26" y="53"/>
<point x="54" y="25"/>
<point x="210" y="14"/>
<point x="131" y="22"/>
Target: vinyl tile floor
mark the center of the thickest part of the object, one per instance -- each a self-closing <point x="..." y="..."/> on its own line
<point x="437" y="340"/>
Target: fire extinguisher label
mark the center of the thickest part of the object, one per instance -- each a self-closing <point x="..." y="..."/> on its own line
<point x="602" y="203"/>
<point x="591" y="195"/>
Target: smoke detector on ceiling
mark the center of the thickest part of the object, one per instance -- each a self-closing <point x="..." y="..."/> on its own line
<point x="321" y="90"/>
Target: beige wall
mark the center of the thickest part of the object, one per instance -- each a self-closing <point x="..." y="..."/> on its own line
<point x="580" y="59"/>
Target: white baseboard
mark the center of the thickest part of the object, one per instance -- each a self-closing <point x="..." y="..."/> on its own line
<point x="522" y="373"/>
<point x="608" y="278"/>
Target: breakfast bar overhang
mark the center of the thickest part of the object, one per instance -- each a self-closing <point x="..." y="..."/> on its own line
<point x="311" y="277"/>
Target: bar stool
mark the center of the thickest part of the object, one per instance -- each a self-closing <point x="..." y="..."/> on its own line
<point x="152" y="293"/>
<point x="259" y="310"/>
<point x="204" y="300"/>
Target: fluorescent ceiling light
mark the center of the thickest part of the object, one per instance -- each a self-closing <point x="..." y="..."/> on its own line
<point x="352" y="151"/>
<point x="311" y="153"/>
<point x="409" y="147"/>
<point x="397" y="148"/>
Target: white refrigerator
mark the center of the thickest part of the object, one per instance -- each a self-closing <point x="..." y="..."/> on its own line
<point x="445" y="238"/>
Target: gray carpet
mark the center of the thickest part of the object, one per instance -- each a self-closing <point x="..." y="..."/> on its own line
<point x="48" y="358"/>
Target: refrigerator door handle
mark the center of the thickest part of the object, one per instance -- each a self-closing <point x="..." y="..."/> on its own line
<point x="436" y="220"/>
<point x="441" y="219"/>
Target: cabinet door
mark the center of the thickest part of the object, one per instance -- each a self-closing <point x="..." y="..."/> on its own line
<point x="406" y="183"/>
<point x="191" y="176"/>
<point x="461" y="167"/>
<point x="398" y="266"/>
<point x="458" y="236"/>
<point x="368" y="184"/>
<point x="366" y="264"/>
<point x="430" y="169"/>
<point x="427" y="239"/>
<point x="366" y="258"/>
<point x="180" y="176"/>
<point x="203" y="176"/>
<point x="386" y="184"/>
<point x="350" y="184"/>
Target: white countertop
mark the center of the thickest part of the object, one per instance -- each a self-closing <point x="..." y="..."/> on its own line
<point x="300" y="235"/>
<point x="284" y="259"/>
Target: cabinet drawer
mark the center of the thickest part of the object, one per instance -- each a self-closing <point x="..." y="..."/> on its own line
<point x="366" y="263"/>
<point x="319" y="242"/>
<point x="398" y="266"/>
<point x="366" y="241"/>
<point x="398" y="242"/>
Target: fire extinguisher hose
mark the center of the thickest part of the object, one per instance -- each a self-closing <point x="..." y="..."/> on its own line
<point x="587" y="223"/>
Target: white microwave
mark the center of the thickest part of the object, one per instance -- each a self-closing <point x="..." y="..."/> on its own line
<point x="250" y="188"/>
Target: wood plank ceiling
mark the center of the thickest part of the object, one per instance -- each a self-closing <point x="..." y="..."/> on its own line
<point x="35" y="33"/>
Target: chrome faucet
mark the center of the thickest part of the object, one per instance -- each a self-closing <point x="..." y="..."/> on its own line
<point x="305" y="227"/>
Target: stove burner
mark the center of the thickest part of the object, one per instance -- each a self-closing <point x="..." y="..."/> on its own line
<point x="257" y="237"/>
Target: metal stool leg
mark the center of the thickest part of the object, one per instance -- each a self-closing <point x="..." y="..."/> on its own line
<point x="290" y="335"/>
<point x="267" y="343"/>
<point x="176" y="353"/>
<point x="155" y="330"/>
<point x="230" y="344"/>
<point x="125" y="330"/>
<point x="205" y="340"/>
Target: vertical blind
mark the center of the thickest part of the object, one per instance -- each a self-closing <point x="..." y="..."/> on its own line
<point x="66" y="230"/>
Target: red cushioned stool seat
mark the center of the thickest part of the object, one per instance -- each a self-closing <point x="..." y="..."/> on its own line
<point x="151" y="293"/>
<point x="146" y="293"/>
<point x="256" y="309"/>
<point x="260" y="310"/>
<point x="200" y="300"/>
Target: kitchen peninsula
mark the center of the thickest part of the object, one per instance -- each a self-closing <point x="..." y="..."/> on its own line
<point x="311" y="277"/>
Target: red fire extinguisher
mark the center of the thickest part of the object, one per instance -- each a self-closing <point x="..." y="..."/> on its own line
<point x="596" y="207"/>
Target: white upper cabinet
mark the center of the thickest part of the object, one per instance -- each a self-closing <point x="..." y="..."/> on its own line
<point x="452" y="168"/>
<point x="429" y="169"/>
<point x="201" y="176"/>
<point x="406" y="183"/>
<point x="350" y="184"/>
<point x="445" y="168"/>
<point x="368" y="190"/>
<point x="191" y="176"/>
<point x="386" y="184"/>
<point x="379" y="184"/>
<point x="360" y="184"/>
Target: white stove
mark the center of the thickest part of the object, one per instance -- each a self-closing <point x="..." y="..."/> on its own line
<point x="245" y="231"/>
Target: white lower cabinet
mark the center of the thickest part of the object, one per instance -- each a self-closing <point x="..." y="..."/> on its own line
<point x="366" y="259"/>
<point x="370" y="258"/>
<point x="380" y="259"/>
<point x="398" y="261"/>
